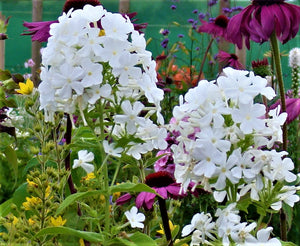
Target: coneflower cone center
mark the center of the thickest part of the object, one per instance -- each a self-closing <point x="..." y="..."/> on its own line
<point x="266" y="2"/>
<point x="159" y="179"/>
<point x="78" y="4"/>
<point x="221" y="21"/>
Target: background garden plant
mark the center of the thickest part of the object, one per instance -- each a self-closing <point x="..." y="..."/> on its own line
<point x="104" y="166"/>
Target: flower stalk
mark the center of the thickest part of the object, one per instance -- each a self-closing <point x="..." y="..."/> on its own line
<point x="165" y="220"/>
<point x="278" y="70"/>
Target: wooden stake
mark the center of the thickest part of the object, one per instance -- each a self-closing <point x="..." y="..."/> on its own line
<point x="37" y="15"/>
<point x="124" y="6"/>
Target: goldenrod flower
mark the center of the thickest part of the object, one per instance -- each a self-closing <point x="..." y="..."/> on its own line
<point x="31" y="202"/>
<point x="26" y="88"/>
<point x="15" y="221"/>
<point x="31" y="183"/>
<point x="81" y="242"/>
<point x="58" y="221"/>
<point x="162" y="232"/>
<point x="31" y="221"/>
<point x="47" y="192"/>
<point x="89" y="176"/>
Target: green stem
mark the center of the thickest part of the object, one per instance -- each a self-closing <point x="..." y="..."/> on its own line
<point x="276" y="55"/>
<point x="204" y="58"/>
<point x="107" y="204"/>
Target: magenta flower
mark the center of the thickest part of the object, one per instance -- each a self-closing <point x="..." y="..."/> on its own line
<point x="292" y="108"/>
<point x="260" y="19"/>
<point x="163" y="183"/>
<point x="229" y="60"/>
<point x="217" y="28"/>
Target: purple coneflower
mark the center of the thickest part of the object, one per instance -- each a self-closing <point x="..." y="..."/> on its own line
<point x="229" y="60"/>
<point x="217" y="28"/>
<point x="259" y="20"/>
<point x="163" y="183"/>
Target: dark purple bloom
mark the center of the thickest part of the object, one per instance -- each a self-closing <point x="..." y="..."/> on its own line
<point x="212" y="2"/>
<point x="164" y="43"/>
<point x="263" y="17"/>
<point x="229" y="60"/>
<point x="123" y="199"/>
<point x="163" y="183"/>
<point x="165" y="32"/>
<point x="227" y="10"/>
<point x="217" y="28"/>
<point x="195" y="11"/>
<point x="190" y="20"/>
<point x="78" y="4"/>
<point x="201" y="16"/>
<point x="173" y="7"/>
<point x="180" y="36"/>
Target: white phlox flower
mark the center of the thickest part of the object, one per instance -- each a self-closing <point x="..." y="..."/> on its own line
<point x="202" y="227"/>
<point x="135" y="219"/>
<point x="111" y="149"/>
<point x="84" y="159"/>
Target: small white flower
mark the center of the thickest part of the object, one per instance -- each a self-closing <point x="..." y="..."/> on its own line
<point x="111" y="150"/>
<point x="135" y="219"/>
<point x="84" y="157"/>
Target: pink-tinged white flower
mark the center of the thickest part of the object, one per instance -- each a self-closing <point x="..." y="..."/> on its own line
<point x="95" y="92"/>
<point x="92" y="73"/>
<point x="91" y="11"/>
<point x="111" y="149"/>
<point x="135" y="219"/>
<point x="282" y="169"/>
<point x="259" y="20"/>
<point x="84" y="159"/>
<point x="130" y="116"/>
<point x="249" y="117"/>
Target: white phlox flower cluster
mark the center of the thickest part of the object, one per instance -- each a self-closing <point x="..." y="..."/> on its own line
<point x="294" y="57"/>
<point x="225" y="141"/>
<point x="228" y="228"/>
<point x="96" y="56"/>
<point x="77" y="52"/>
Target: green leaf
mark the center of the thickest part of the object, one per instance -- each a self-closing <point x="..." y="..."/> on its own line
<point x="89" y="236"/>
<point x="5" y="207"/>
<point x="152" y="160"/>
<point x="120" y="242"/>
<point x="142" y="239"/>
<point x="131" y="187"/>
<point x="12" y="160"/>
<point x="287" y="243"/>
<point x="74" y="197"/>
<point x="4" y="75"/>
<point x="32" y="163"/>
<point x="20" y="194"/>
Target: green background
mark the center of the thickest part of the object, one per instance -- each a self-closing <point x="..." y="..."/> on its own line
<point x="156" y="13"/>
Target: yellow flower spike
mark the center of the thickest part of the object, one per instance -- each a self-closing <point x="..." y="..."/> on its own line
<point x="47" y="192"/>
<point x="31" y="183"/>
<point x="162" y="232"/>
<point x="58" y="221"/>
<point x="26" y="88"/>
<point x="31" y="221"/>
<point x="15" y="221"/>
<point x="81" y="242"/>
<point x="89" y="176"/>
<point x="177" y="241"/>
<point x="31" y="202"/>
